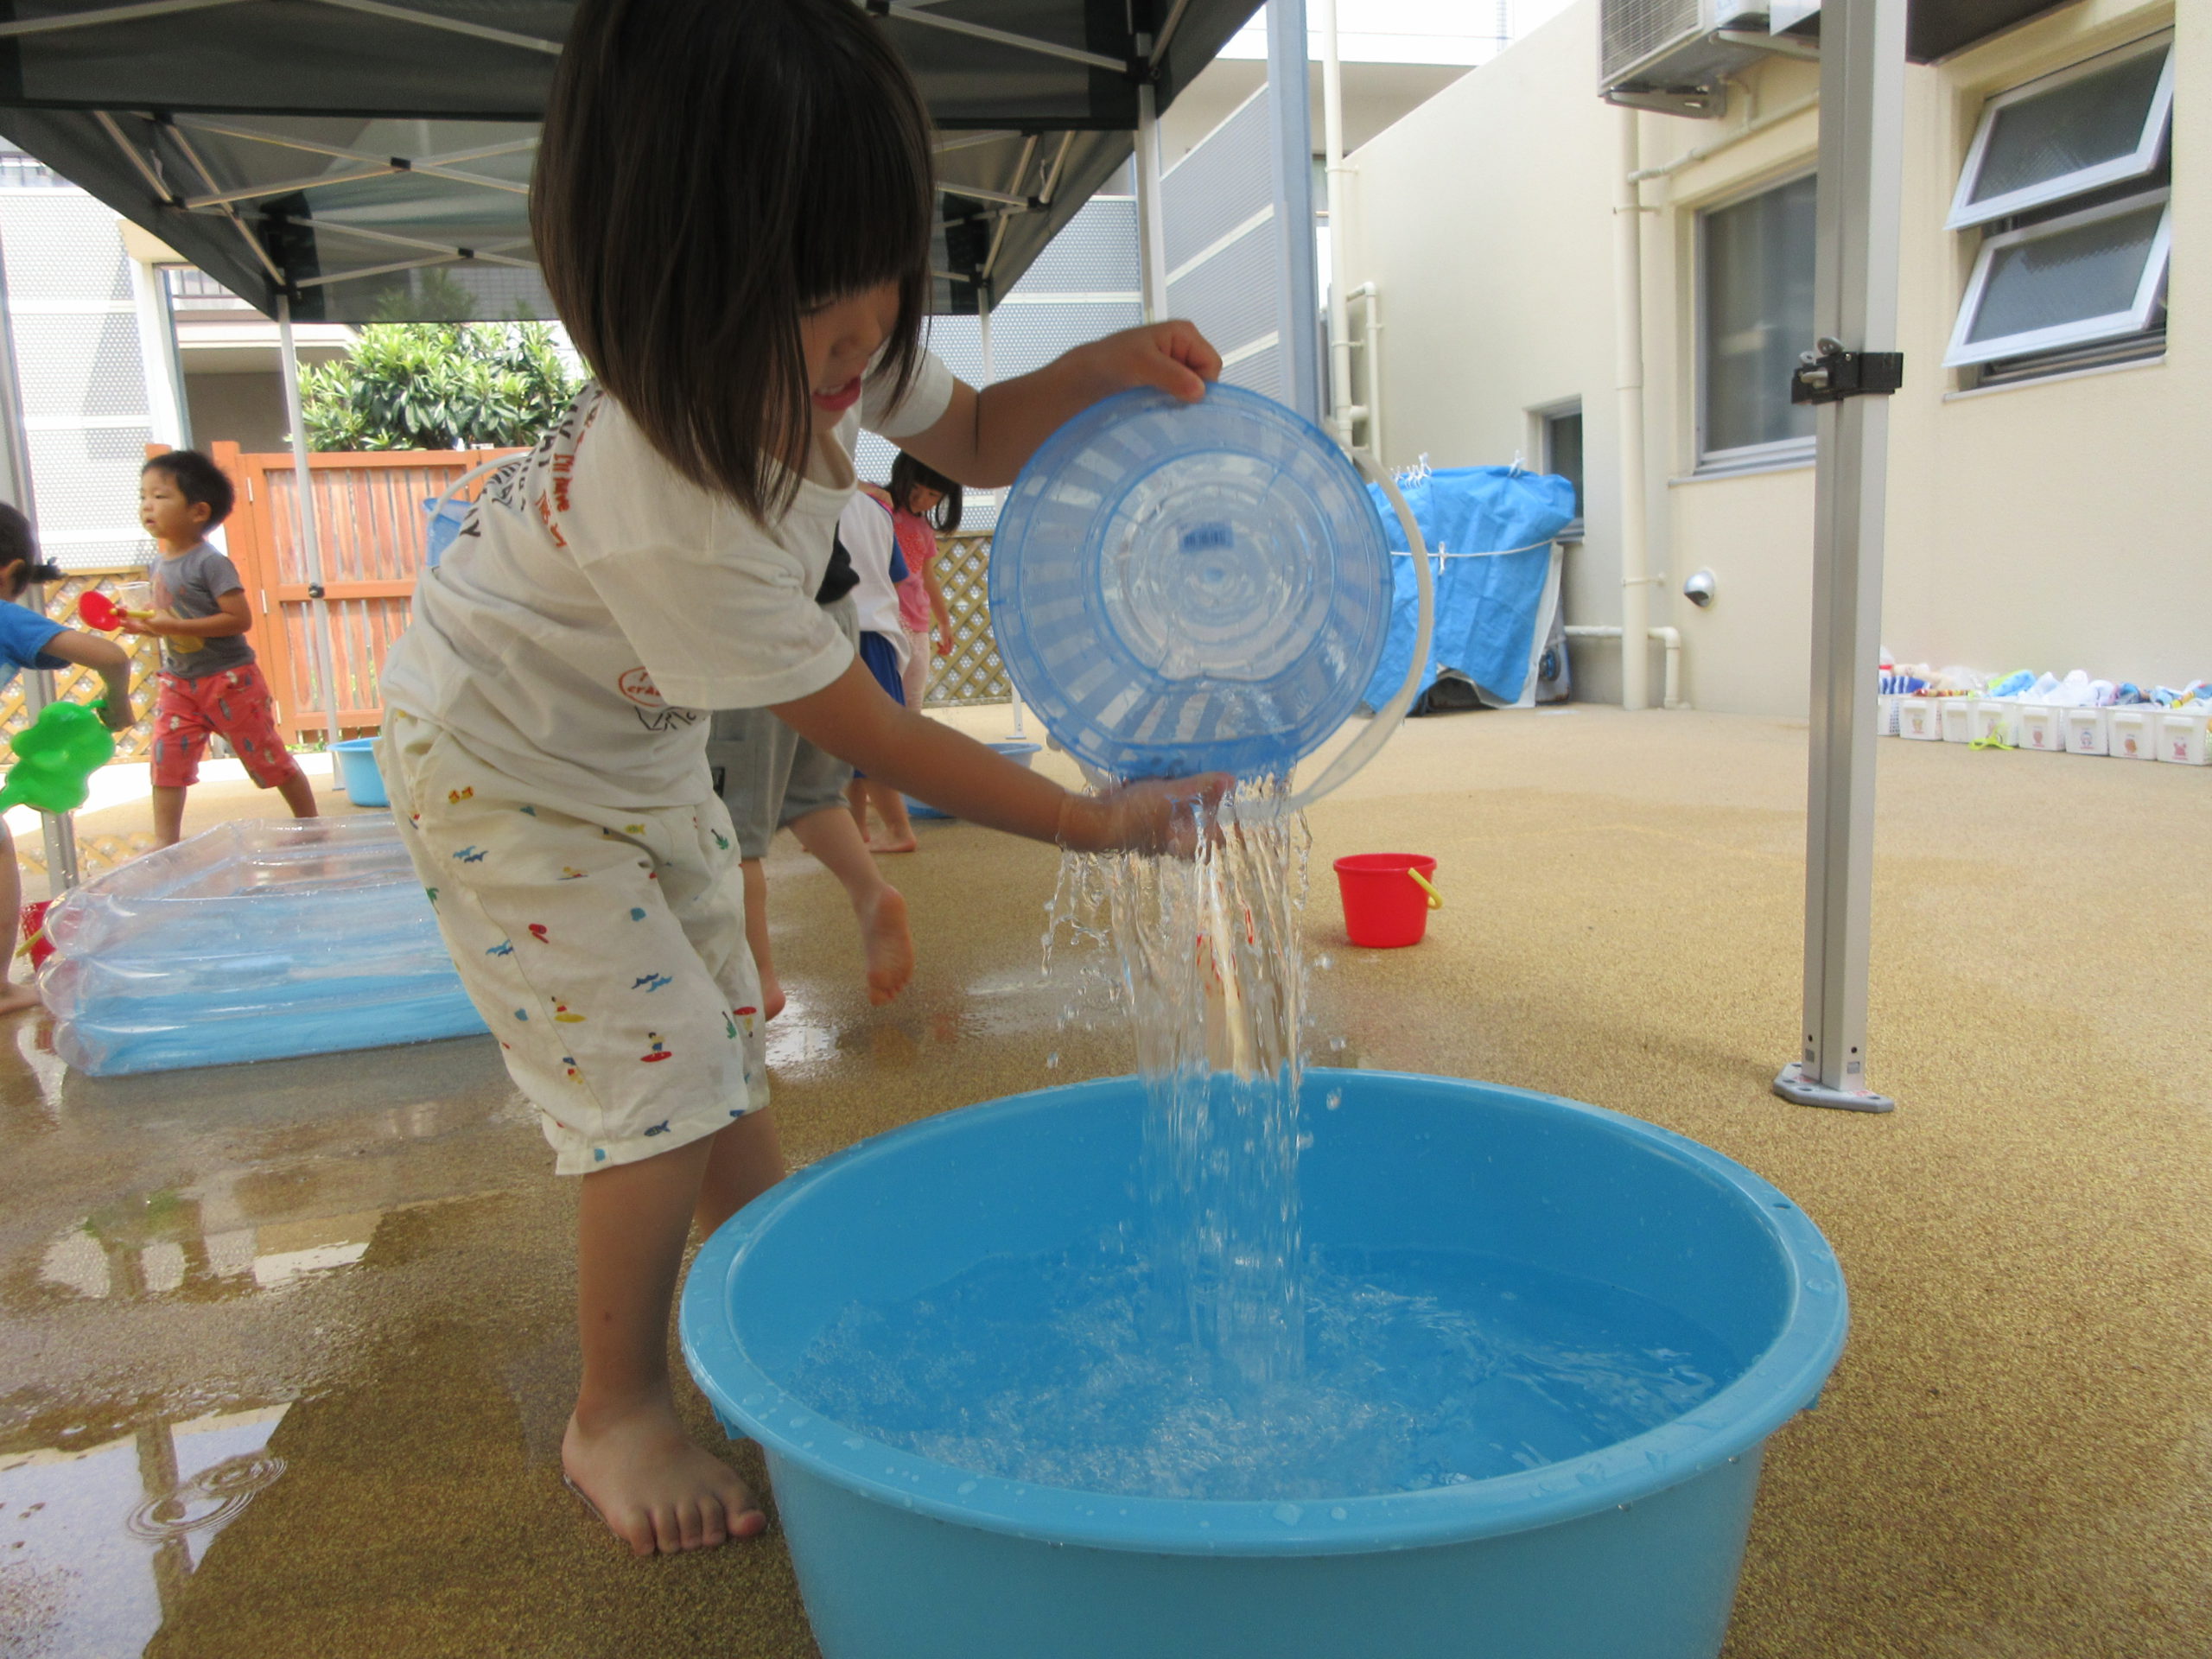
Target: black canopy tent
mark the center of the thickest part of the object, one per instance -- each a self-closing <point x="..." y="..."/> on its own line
<point x="361" y="158"/>
<point x="348" y="160"/>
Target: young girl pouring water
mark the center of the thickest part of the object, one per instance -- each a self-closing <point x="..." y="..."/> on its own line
<point x="733" y="208"/>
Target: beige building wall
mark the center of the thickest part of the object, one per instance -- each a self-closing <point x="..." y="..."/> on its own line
<point x="2056" y="523"/>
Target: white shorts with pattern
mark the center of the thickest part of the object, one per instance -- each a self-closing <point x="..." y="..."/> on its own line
<point x="604" y="947"/>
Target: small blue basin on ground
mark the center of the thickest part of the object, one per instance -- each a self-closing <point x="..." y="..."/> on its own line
<point x="356" y="771"/>
<point x="1628" y="1551"/>
<point x="1013" y="748"/>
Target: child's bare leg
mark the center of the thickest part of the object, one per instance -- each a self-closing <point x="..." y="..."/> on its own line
<point x="747" y="1160"/>
<point x="624" y="1448"/>
<point x="856" y="797"/>
<point x="829" y="835"/>
<point x="756" y="935"/>
<point x="12" y="995"/>
<point x="169" y="814"/>
<point x="299" y="795"/>
<point x="898" y="830"/>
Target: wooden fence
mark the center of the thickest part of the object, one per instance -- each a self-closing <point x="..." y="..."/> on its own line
<point x="370" y="517"/>
<point x="371" y="530"/>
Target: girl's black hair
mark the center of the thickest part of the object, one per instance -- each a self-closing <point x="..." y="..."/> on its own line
<point x="198" y="481"/>
<point x="19" y="546"/>
<point x="709" y="171"/>
<point x="908" y="475"/>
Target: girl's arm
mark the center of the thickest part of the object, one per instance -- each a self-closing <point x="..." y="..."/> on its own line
<point x="939" y="608"/>
<point x="983" y="437"/>
<point x="235" y="617"/>
<point x="110" y="661"/>
<point x="926" y="758"/>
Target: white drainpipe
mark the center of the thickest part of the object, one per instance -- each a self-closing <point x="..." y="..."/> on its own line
<point x="1670" y="638"/>
<point x="1628" y="381"/>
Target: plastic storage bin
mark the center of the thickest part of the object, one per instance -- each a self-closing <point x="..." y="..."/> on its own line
<point x="1992" y="717"/>
<point x="1630" y="1551"/>
<point x="1920" y="720"/>
<point x="2183" y="736"/>
<point x="2043" y="730"/>
<point x="2134" y="732"/>
<point x="1956" y="714"/>
<point x="2088" y="730"/>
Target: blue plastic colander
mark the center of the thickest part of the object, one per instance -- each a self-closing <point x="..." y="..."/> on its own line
<point x="1179" y="588"/>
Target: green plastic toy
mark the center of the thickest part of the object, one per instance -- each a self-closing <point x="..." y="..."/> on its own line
<point x="56" y="758"/>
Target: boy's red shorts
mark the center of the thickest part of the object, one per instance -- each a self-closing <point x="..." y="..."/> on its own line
<point x="232" y="701"/>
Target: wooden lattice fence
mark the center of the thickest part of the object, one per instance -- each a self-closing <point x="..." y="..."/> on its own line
<point x="82" y="683"/>
<point x="973" y="673"/>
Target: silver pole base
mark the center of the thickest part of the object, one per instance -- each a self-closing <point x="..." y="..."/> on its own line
<point x="1799" y="1091"/>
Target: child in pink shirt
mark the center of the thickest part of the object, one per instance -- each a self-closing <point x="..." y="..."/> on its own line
<point x="925" y="504"/>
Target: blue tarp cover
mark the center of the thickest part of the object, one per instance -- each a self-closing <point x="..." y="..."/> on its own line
<point x="1489" y="530"/>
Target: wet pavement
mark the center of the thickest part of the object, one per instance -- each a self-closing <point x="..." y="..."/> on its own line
<point x="285" y="1349"/>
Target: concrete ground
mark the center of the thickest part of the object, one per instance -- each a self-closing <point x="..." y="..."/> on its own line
<point x="284" y="1351"/>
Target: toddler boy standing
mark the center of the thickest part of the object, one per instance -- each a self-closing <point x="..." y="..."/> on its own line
<point x="210" y="681"/>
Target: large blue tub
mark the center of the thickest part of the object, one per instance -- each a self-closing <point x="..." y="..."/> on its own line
<point x="1630" y="1552"/>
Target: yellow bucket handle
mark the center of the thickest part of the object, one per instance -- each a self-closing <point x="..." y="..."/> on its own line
<point x="1435" y="898"/>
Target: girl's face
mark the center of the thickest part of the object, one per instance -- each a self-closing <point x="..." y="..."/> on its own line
<point x="839" y="339"/>
<point x="921" y="499"/>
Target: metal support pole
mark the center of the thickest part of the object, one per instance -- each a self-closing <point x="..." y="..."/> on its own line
<point x="1151" y="232"/>
<point x="1628" y="383"/>
<point x="1299" y="345"/>
<point x="1339" y="180"/>
<point x="310" y="536"/>
<point x="1855" y="303"/>
<point x="59" y="828"/>
<point x="983" y="329"/>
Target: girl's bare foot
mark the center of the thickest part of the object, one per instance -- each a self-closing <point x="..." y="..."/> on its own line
<point x="903" y="844"/>
<point x="889" y="946"/>
<point x="15" y="998"/>
<point x="653" y="1487"/>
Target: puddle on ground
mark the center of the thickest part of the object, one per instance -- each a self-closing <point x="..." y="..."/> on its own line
<point x="96" y="1543"/>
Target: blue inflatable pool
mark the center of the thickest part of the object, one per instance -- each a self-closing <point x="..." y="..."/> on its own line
<point x="1630" y="1550"/>
<point x="256" y="940"/>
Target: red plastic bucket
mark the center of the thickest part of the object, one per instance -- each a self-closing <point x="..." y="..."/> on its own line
<point x="33" y="919"/>
<point x="1384" y="905"/>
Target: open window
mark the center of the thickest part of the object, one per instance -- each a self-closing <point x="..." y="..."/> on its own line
<point x="2099" y="123"/>
<point x="2067" y="186"/>
<point x="2096" y="275"/>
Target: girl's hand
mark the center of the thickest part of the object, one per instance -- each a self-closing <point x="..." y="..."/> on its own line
<point x="1157" y="814"/>
<point x="1173" y="357"/>
<point x="945" y="642"/>
<point x="131" y="624"/>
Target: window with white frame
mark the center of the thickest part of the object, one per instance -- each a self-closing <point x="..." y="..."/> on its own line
<point x="1755" y="315"/>
<point x="2067" y="185"/>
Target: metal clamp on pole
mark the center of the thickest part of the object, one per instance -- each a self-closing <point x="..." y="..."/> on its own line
<point x="1830" y="374"/>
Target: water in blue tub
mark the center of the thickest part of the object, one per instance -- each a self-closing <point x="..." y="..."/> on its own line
<point x="1203" y="1351"/>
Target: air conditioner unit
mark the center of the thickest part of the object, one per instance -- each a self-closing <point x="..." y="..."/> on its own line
<point x="1670" y="55"/>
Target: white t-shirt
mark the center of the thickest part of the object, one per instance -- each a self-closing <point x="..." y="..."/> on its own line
<point x="871" y="539"/>
<point x="596" y="606"/>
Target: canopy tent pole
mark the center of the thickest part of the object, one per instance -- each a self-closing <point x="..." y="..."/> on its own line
<point x="1854" y="311"/>
<point x="310" y="538"/>
<point x="1151" y="232"/>
<point x="60" y="828"/>
<point x="1343" y="411"/>
<point x="983" y="332"/>
<point x="1298" y="346"/>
